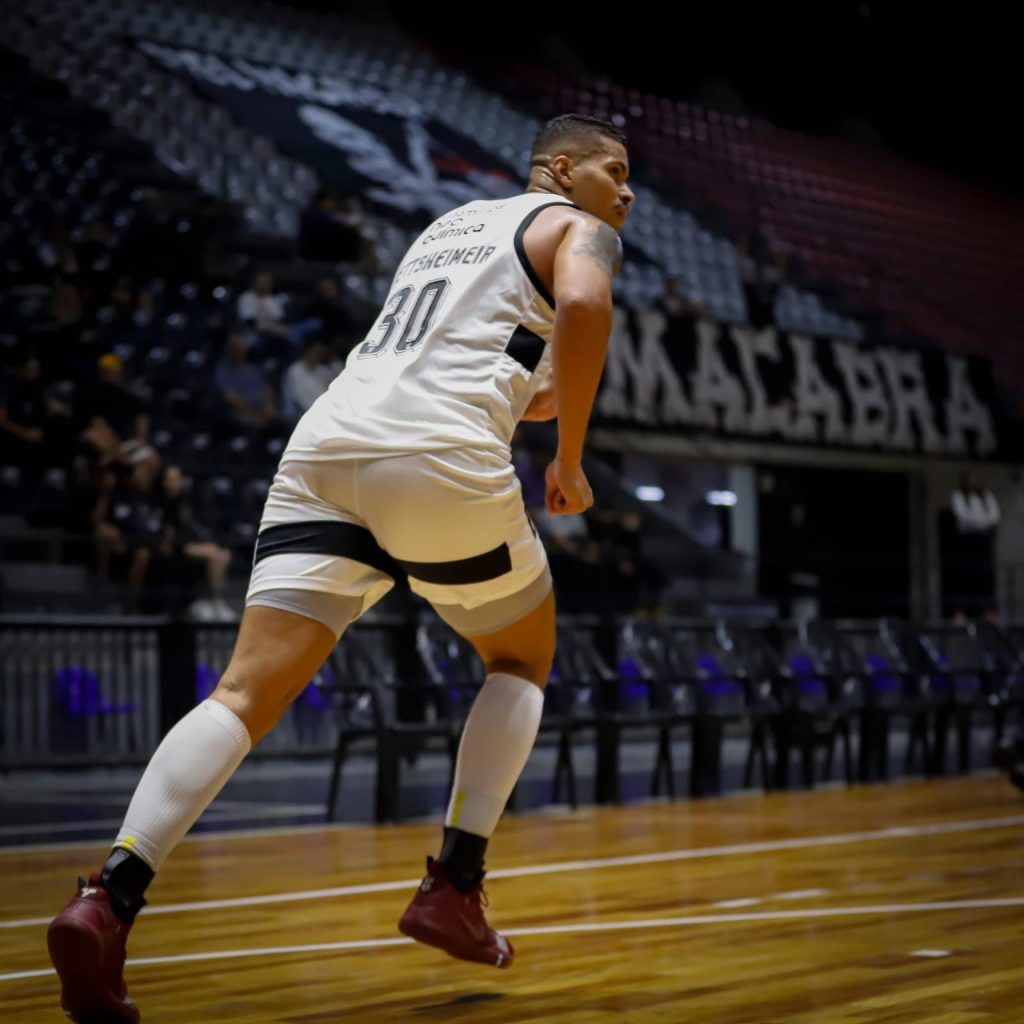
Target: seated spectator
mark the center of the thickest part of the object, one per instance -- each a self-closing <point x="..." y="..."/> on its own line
<point x="580" y="578"/>
<point x="976" y="517"/>
<point x="34" y="429"/>
<point x="676" y="303"/>
<point x="185" y="538"/>
<point x="128" y="520"/>
<point x="266" y="314"/>
<point x="95" y="254"/>
<point x="248" y="400"/>
<point x="115" y="423"/>
<point x="333" y="229"/>
<point x="307" y="379"/>
<point x="596" y="562"/>
<point x="156" y="242"/>
<point x="619" y="533"/>
<point x="334" y="324"/>
<point x="54" y="252"/>
<point x="762" y="272"/>
<point x="262" y="309"/>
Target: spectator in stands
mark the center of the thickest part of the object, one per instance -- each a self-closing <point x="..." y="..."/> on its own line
<point x="334" y="323"/>
<point x="676" y="302"/>
<point x="763" y="272"/>
<point x="85" y="484"/>
<point x="129" y="523"/>
<point x="619" y="532"/>
<point x="333" y="229"/>
<point x="268" y="314"/>
<point x="590" y="577"/>
<point x="681" y="313"/>
<point x="66" y="304"/>
<point x="308" y="378"/>
<point x="184" y="538"/>
<point x="976" y="516"/>
<point x="54" y="253"/>
<point x="34" y="429"/>
<point x="95" y="254"/>
<point x="248" y="399"/>
<point x="154" y="244"/>
<point x="116" y="424"/>
<point x="263" y="309"/>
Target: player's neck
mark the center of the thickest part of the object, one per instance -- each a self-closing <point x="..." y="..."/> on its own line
<point x="541" y="180"/>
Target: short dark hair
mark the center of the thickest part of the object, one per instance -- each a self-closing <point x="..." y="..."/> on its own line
<point x="568" y="128"/>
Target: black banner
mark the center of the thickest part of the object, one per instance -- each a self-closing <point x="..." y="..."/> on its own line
<point x="375" y="142"/>
<point x="681" y="374"/>
<point x="663" y="373"/>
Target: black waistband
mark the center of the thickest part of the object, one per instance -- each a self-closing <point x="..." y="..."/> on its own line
<point x="346" y="540"/>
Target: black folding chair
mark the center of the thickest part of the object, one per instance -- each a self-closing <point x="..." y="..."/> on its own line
<point x="889" y="690"/>
<point x="400" y="706"/>
<point x="953" y="662"/>
<point x="812" y="710"/>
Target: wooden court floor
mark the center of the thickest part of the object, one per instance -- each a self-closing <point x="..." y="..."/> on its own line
<point x="900" y="903"/>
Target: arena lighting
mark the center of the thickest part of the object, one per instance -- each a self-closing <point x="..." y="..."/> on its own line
<point x="721" y="498"/>
<point x="648" y="492"/>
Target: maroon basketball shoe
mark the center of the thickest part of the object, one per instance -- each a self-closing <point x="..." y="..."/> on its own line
<point x="441" y="916"/>
<point x="87" y="946"/>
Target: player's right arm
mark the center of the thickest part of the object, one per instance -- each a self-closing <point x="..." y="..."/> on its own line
<point x="587" y="259"/>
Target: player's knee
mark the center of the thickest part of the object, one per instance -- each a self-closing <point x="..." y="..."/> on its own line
<point x="536" y="667"/>
<point x="251" y="699"/>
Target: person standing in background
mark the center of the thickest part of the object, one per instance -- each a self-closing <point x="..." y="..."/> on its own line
<point x="976" y="518"/>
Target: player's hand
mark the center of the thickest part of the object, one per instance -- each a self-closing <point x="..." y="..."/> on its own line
<point x="567" y="490"/>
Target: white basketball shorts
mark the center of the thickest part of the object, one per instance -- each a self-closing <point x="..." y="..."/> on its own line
<point x="452" y="521"/>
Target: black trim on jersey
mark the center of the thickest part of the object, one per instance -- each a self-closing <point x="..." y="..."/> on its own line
<point x="326" y="537"/>
<point x="525" y="347"/>
<point x="524" y="259"/>
<point x="477" y="569"/>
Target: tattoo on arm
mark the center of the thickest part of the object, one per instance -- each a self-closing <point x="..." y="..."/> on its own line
<point x="599" y="243"/>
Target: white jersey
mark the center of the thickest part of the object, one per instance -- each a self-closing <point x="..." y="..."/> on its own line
<point x="458" y="350"/>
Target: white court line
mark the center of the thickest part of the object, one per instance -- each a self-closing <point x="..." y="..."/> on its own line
<point x="267" y="811"/>
<point x="568" y="929"/>
<point x="800" y="894"/>
<point x="204" y="836"/>
<point x="241" y="805"/>
<point x="557" y="867"/>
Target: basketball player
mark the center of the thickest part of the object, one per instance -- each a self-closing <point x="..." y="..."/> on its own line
<point x="501" y="308"/>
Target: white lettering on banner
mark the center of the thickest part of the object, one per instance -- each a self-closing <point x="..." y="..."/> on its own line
<point x="868" y="400"/>
<point x="886" y="390"/>
<point x="408" y="187"/>
<point x="206" y="66"/>
<point x="964" y="412"/>
<point x="399" y="186"/>
<point x="905" y="376"/>
<point x="763" y="418"/>
<point x="326" y="89"/>
<point x="646" y="370"/>
<point x="711" y="384"/>
<point x="814" y="397"/>
<point x="299" y="85"/>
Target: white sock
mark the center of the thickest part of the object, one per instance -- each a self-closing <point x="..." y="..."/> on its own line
<point x="187" y="771"/>
<point x="496" y="741"/>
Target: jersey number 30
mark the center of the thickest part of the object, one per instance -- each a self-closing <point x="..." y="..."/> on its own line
<point x="414" y="322"/>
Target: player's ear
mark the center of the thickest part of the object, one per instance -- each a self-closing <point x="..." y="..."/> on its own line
<point x="561" y="169"/>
